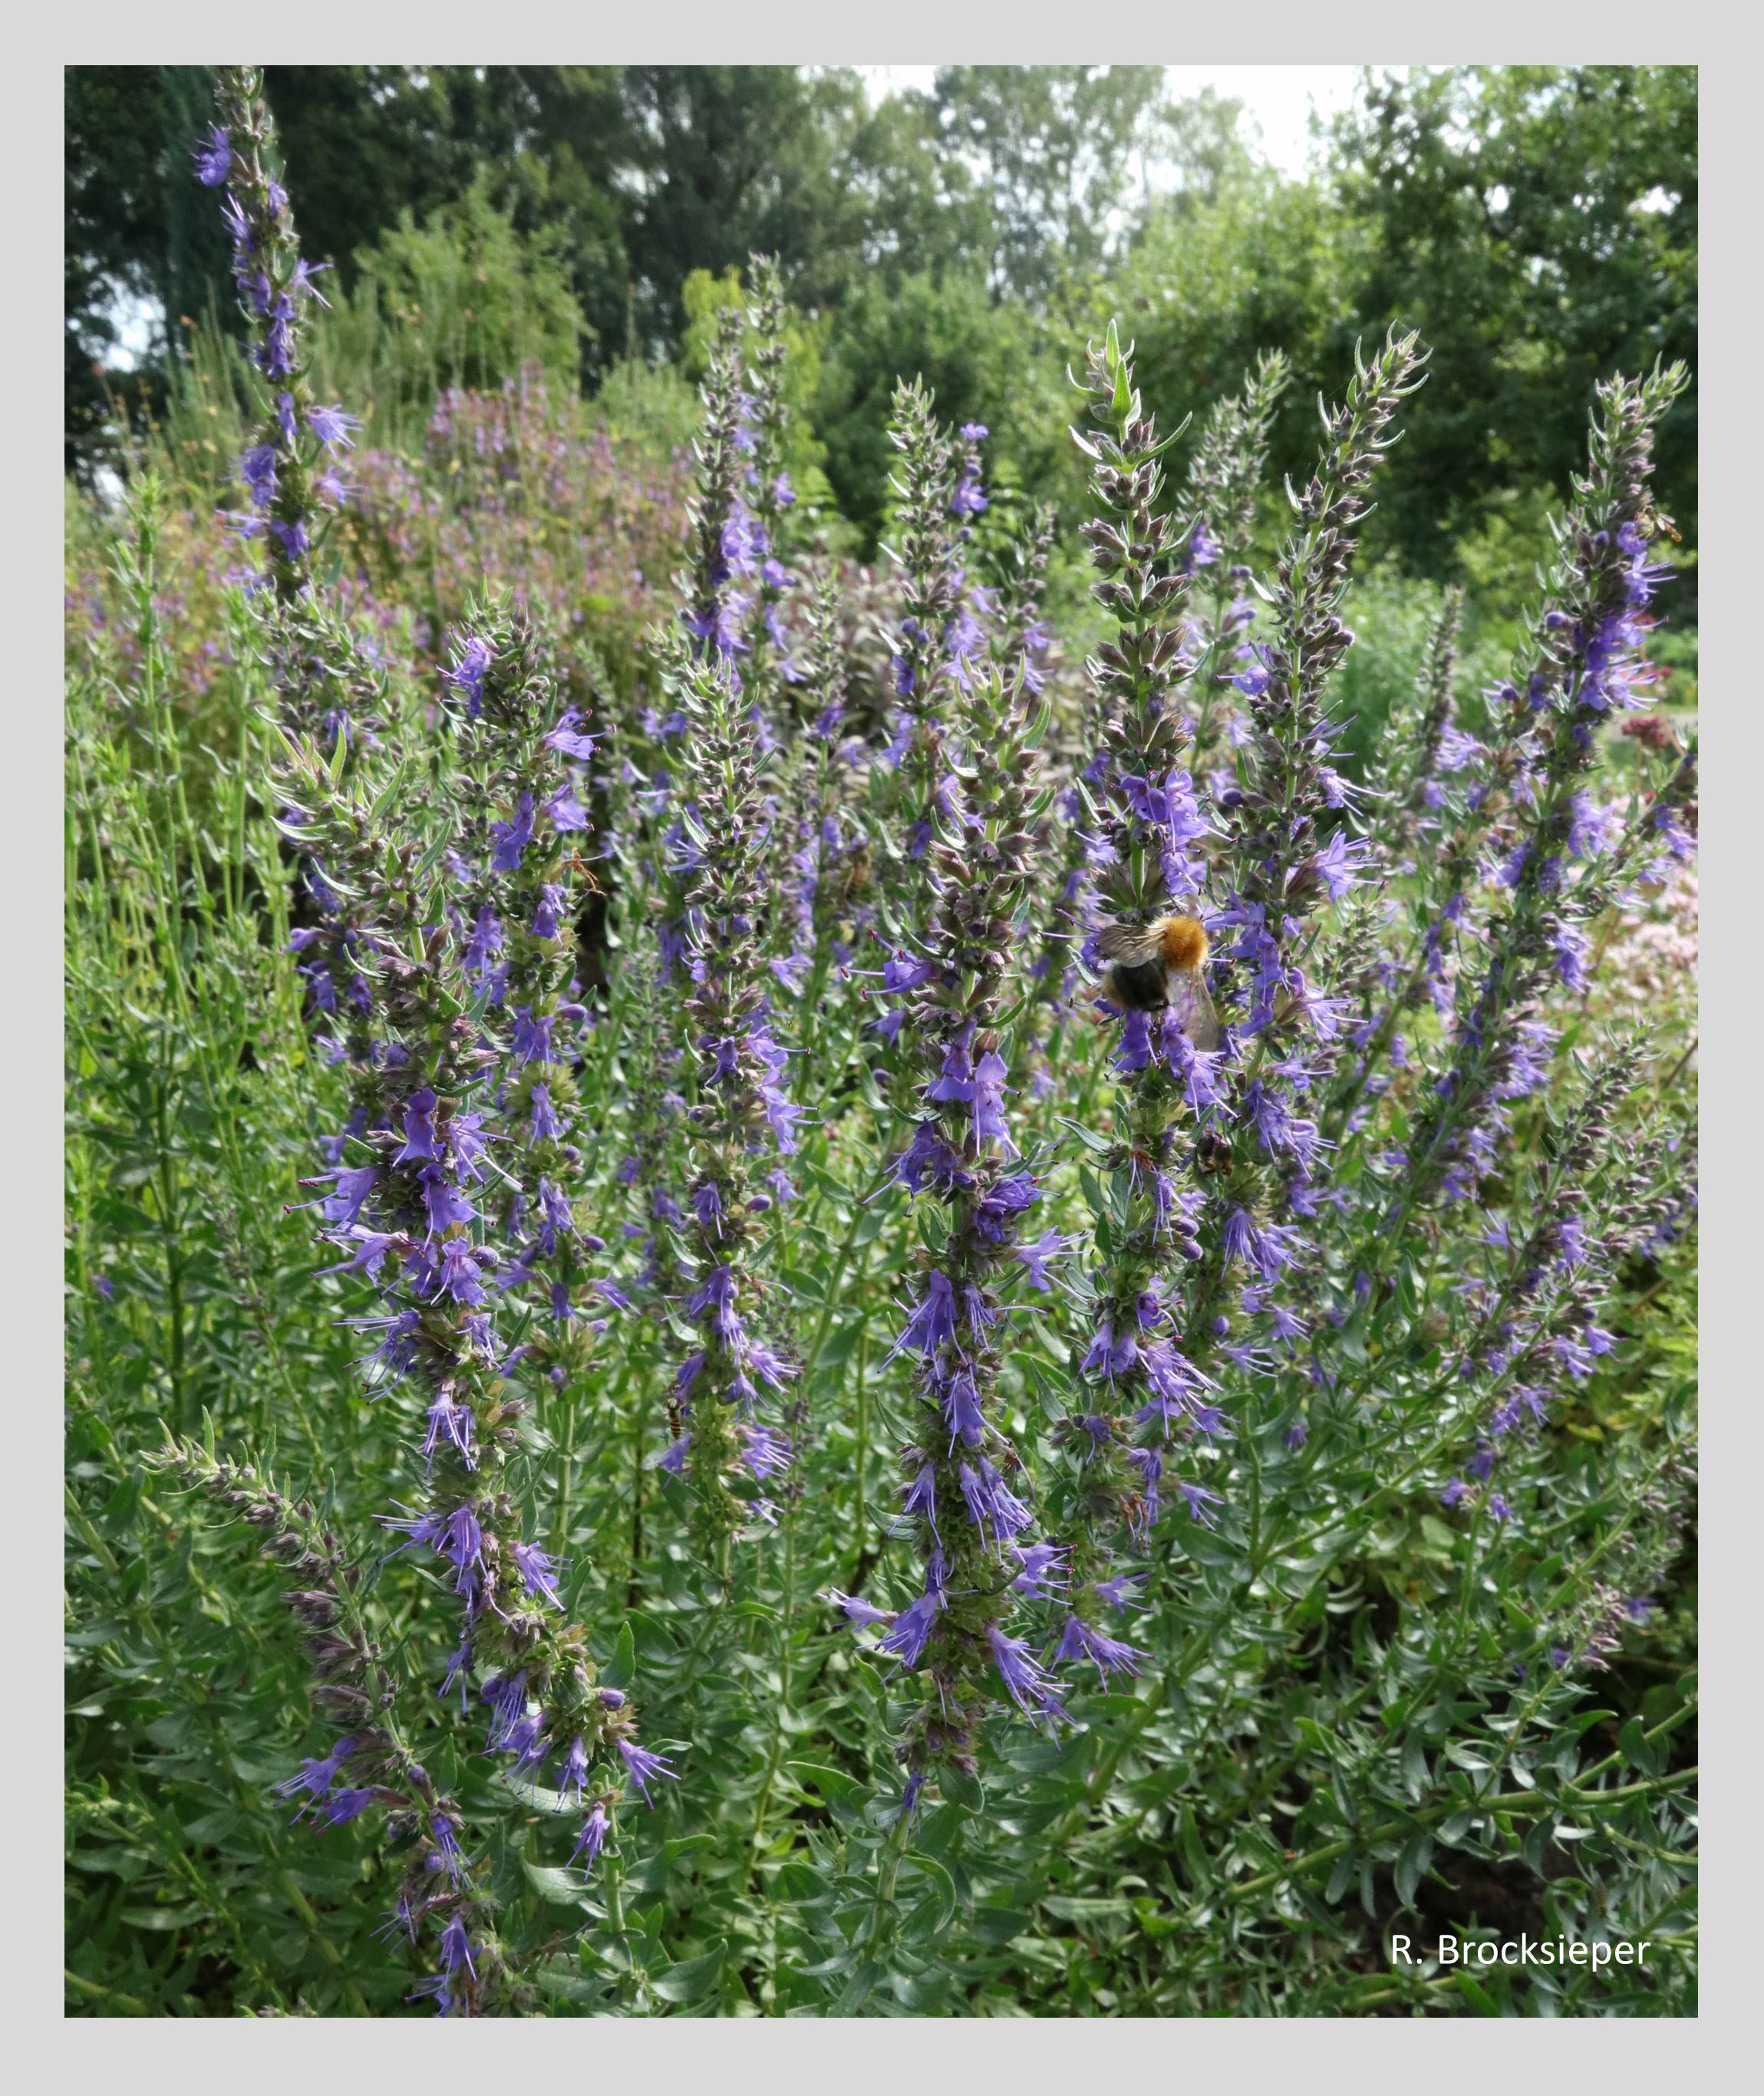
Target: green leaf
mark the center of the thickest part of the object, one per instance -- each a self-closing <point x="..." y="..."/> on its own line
<point x="571" y="1986"/>
<point x="938" y="1829"/>
<point x="857" y="1992"/>
<point x="535" y="1796"/>
<point x="1411" y="1866"/>
<point x="212" y="1827"/>
<point x="1073" y="1909"/>
<point x="1639" y="1752"/>
<point x="693" y="1978"/>
<point x="962" y="1789"/>
<point x="1039" y="1757"/>
<point x="1415" y="1770"/>
<point x="556" y="1885"/>
<point x="845" y="1795"/>
<point x="619" y="1670"/>
<point x="842" y="1343"/>
<point x="1476" y="1994"/>
<point x="943" y="1900"/>
<point x="162" y="1918"/>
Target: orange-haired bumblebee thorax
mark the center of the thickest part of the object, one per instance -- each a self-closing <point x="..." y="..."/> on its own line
<point x="1182" y="942"/>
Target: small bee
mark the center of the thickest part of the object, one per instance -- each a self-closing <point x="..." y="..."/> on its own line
<point x="675" y="1424"/>
<point x="857" y="870"/>
<point x="1213" y="1153"/>
<point x="1151" y="967"/>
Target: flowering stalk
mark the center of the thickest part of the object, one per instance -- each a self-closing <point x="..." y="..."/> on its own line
<point x="1020" y="644"/>
<point x="526" y="824"/>
<point x="1600" y="1194"/>
<point x="291" y="468"/>
<point x="739" y="1114"/>
<point x="1415" y="786"/>
<point x="329" y="693"/>
<point x="937" y="631"/>
<point x="723" y="555"/>
<point x="1059" y="908"/>
<point x="1020" y="636"/>
<point x="372" y="1767"/>
<point x="1224" y="478"/>
<point x="1224" y="473"/>
<point x="1415" y="738"/>
<point x="962" y="1471"/>
<point x="764" y="420"/>
<point x="1256" y="1145"/>
<point x="712" y="612"/>
<point x="1587" y="665"/>
<point x="655" y="1109"/>
<point x="816" y="775"/>
<point x="1142" y="824"/>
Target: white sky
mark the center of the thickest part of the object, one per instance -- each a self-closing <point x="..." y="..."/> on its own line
<point x="1278" y="100"/>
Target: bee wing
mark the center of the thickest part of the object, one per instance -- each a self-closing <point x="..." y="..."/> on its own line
<point x="1129" y="944"/>
<point x="1193" y="1011"/>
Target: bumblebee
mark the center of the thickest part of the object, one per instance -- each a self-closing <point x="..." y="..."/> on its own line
<point x="1156" y="966"/>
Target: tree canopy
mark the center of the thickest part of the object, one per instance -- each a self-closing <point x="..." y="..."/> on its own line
<point x="1537" y="225"/>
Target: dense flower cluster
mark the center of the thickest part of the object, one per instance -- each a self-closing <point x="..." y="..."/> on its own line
<point x="725" y="551"/>
<point x="1290" y="853"/>
<point x="405" y="1200"/>
<point x="768" y="495"/>
<point x="1599" y="1199"/>
<point x="1225" y="478"/>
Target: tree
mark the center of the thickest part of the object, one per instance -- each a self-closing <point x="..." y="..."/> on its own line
<point x="114" y="216"/>
<point x="1049" y="149"/>
<point x="984" y="362"/>
<point x="730" y="161"/>
<point x="1538" y="224"/>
